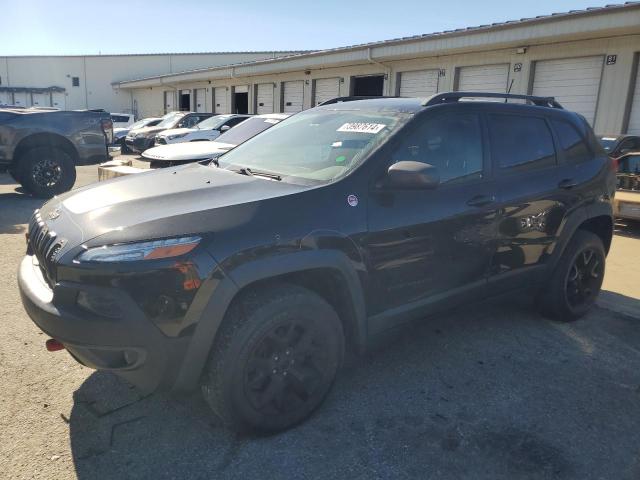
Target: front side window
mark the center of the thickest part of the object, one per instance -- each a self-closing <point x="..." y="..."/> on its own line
<point x="170" y="119"/>
<point x="452" y="143"/>
<point x="520" y="143"/>
<point x="316" y="146"/>
<point x="574" y="147"/>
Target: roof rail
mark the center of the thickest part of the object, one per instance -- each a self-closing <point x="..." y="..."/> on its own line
<point x="351" y="98"/>
<point x="450" y="97"/>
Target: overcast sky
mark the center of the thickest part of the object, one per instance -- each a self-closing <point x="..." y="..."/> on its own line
<point x="43" y="27"/>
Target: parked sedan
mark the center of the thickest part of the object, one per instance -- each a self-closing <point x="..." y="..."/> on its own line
<point x="179" y="153"/>
<point x="208" y="129"/>
<point x="119" y="134"/>
<point x="618" y="145"/>
<point x="626" y="203"/>
<point x="143" y="138"/>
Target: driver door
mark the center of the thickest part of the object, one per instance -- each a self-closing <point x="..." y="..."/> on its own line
<point x="426" y="246"/>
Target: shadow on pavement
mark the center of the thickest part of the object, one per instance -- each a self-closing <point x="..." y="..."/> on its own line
<point x="15" y="210"/>
<point x="496" y="392"/>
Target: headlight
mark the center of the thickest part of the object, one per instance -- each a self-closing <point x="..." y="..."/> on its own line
<point x="129" y="252"/>
<point x="177" y="135"/>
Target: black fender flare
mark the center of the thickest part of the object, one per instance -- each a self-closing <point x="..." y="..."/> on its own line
<point x="231" y="284"/>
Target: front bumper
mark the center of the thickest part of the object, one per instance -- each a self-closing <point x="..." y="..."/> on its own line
<point x="140" y="144"/>
<point x="130" y="346"/>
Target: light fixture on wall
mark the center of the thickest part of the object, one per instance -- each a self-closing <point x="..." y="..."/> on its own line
<point x="521" y="50"/>
<point x="341" y="79"/>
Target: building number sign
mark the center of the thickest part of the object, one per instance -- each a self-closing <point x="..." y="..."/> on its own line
<point x="611" y="59"/>
<point x="517" y="67"/>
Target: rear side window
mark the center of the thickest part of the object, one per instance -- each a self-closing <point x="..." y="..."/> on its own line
<point x="452" y="143"/>
<point x="120" y="118"/>
<point x="571" y="142"/>
<point x="520" y="143"/>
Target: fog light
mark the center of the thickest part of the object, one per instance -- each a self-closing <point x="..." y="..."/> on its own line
<point x="99" y="304"/>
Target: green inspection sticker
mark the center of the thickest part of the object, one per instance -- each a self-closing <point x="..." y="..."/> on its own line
<point x="341" y="159"/>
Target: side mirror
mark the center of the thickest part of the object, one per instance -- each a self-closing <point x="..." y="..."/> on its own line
<point x="224" y="128"/>
<point x="411" y="175"/>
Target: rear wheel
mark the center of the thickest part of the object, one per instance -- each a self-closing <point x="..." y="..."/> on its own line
<point x="577" y="279"/>
<point x="46" y="171"/>
<point x="274" y="360"/>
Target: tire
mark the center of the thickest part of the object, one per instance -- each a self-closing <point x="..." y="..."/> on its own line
<point x="124" y="149"/>
<point x="274" y="360"/>
<point x="46" y="171"/>
<point x="576" y="281"/>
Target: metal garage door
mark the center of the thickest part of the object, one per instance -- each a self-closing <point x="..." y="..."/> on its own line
<point x="574" y="82"/>
<point x="200" y="101"/>
<point x="326" y="89"/>
<point x="292" y="96"/>
<point x="5" y="98"/>
<point x="169" y="101"/>
<point x="20" y="98"/>
<point x="59" y="100"/>
<point x="634" y="116"/>
<point x="422" y="83"/>
<point x="484" y="78"/>
<point x="41" y="99"/>
<point x="264" y="98"/>
<point x="221" y="101"/>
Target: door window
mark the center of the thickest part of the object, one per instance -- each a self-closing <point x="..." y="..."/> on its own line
<point x="575" y="150"/>
<point x="452" y="143"/>
<point x="520" y="143"/>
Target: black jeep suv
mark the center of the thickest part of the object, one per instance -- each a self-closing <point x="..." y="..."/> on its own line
<point x="249" y="276"/>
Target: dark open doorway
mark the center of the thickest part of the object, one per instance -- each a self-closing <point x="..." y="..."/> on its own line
<point x="369" y="86"/>
<point x="241" y="102"/>
<point x="185" y="101"/>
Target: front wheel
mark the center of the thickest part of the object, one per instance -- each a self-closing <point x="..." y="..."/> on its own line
<point x="577" y="279"/>
<point x="47" y="171"/>
<point x="274" y="360"/>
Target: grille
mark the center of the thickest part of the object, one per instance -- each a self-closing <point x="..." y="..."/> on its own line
<point x="44" y="245"/>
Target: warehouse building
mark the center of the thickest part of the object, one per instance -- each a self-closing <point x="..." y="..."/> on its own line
<point x="75" y="82"/>
<point x="587" y="59"/>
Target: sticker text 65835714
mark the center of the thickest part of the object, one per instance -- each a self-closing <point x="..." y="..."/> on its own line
<point x="361" y="127"/>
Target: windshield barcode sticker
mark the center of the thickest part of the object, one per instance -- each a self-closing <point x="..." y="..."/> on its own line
<point x="361" y="127"/>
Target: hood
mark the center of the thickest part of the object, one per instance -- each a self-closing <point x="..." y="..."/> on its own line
<point x="158" y="203"/>
<point x="177" y="131"/>
<point x="187" y="151"/>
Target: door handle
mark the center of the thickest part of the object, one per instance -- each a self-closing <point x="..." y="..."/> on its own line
<point x="567" y="183"/>
<point x="481" y="200"/>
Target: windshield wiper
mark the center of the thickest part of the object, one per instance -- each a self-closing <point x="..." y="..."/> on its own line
<point x="250" y="172"/>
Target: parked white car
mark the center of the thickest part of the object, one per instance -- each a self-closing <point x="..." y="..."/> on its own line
<point x="208" y="129"/>
<point x="122" y="119"/>
<point x="179" y="153"/>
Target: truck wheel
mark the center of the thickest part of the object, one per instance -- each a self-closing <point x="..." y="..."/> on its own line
<point x="47" y="171"/>
<point x="274" y="359"/>
<point x="576" y="281"/>
<point x="124" y="149"/>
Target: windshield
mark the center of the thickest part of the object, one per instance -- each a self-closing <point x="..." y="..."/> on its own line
<point x="141" y="123"/>
<point x="212" y="122"/>
<point x="247" y="129"/>
<point x="318" y="145"/>
<point x="608" y="143"/>
<point x="170" y="119"/>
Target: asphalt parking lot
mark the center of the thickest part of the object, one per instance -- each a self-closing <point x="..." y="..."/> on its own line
<point x="494" y="391"/>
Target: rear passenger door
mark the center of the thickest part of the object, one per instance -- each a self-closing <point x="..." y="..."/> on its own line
<point x="535" y="193"/>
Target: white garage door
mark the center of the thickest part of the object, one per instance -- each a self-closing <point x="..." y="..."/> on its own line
<point x="41" y="99"/>
<point x="574" y="82"/>
<point x="20" y="98"/>
<point x="634" y="118"/>
<point x="221" y="101"/>
<point x="200" y="101"/>
<point x="326" y="89"/>
<point x="422" y="83"/>
<point x="169" y="101"/>
<point x="484" y="78"/>
<point x="293" y="94"/>
<point x="264" y="98"/>
<point x="59" y="100"/>
<point x="5" y="98"/>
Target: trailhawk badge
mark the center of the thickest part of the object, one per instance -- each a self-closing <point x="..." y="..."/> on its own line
<point x="352" y="200"/>
<point x="53" y="214"/>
